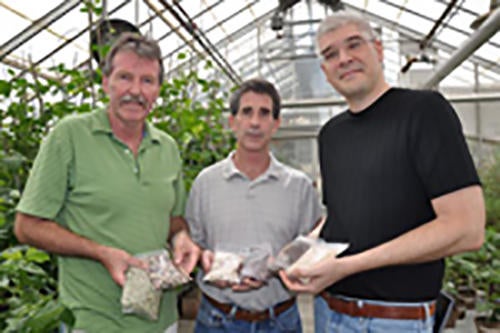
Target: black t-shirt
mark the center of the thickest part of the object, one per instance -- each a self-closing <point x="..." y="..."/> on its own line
<point x="381" y="168"/>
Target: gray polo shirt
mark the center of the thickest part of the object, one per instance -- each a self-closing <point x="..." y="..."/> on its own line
<point x="228" y="211"/>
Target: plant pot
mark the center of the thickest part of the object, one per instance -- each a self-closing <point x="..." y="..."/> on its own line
<point x="485" y="326"/>
<point x="467" y="296"/>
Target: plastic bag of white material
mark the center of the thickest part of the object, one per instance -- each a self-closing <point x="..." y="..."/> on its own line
<point x="290" y="253"/>
<point x="318" y="251"/>
<point x="139" y="296"/>
<point x="225" y="267"/>
<point x="164" y="274"/>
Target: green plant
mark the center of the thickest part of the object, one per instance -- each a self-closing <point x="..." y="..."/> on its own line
<point x="28" y="299"/>
<point x="490" y="176"/>
<point x="488" y="275"/>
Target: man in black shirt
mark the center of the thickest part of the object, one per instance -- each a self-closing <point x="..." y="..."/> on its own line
<point x="400" y="187"/>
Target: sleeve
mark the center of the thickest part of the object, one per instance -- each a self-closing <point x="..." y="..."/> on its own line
<point x="441" y="156"/>
<point x="47" y="185"/>
<point x="309" y="209"/>
<point x="180" y="194"/>
<point x="194" y="213"/>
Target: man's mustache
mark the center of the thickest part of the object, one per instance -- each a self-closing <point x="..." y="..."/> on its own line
<point x="134" y="99"/>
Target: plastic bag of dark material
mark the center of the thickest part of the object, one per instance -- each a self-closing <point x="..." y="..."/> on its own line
<point x="139" y="296"/>
<point x="290" y="253"/>
<point x="255" y="263"/>
<point x="225" y="267"/>
<point x="164" y="273"/>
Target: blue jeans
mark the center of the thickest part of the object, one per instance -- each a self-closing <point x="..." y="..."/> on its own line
<point x="329" y="321"/>
<point x="212" y="320"/>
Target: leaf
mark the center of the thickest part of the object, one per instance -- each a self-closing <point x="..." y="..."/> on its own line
<point x="5" y="88"/>
<point x="12" y="254"/>
<point x="45" y="319"/>
<point x="36" y="255"/>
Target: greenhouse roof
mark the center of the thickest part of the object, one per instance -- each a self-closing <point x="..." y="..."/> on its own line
<point x="269" y="38"/>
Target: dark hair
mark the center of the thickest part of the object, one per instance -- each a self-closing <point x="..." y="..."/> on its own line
<point x="259" y="86"/>
<point x="142" y="46"/>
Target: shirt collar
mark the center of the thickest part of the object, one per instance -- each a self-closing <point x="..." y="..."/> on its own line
<point x="100" y="124"/>
<point x="273" y="171"/>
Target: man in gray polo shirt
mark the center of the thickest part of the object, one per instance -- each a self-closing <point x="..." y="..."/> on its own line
<point x="245" y="200"/>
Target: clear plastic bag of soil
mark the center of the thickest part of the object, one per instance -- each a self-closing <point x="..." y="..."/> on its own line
<point x="255" y="262"/>
<point x="164" y="274"/>
<point x="143" y="289"/>
<point x="139" y="296"/>
<point x="290" y="253"/>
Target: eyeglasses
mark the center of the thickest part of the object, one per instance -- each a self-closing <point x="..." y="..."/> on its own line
<point x="350" y="45"/>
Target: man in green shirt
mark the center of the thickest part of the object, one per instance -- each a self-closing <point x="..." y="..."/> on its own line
<point x="105" y="186"/>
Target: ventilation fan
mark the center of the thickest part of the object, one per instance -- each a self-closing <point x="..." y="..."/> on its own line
<point x="105" y="33"/>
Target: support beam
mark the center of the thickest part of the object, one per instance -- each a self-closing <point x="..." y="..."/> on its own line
<point x="37" y="26"/>
<point x="71" y="40"/>
<point x="488" y="29"/>
<point x="447" y="47"/>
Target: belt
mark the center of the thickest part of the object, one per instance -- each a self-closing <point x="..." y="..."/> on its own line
<point x="354" y="309"/>
<point x="247" y="315"/>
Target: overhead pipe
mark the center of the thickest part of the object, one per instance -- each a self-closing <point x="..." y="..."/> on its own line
<point x="430" y="35"/>
<point x="191" y="29"/>
<point x="37" y="26"/>
<point x="413" y="34"/>
<point x="210" y="46"/>
<point x="207" y="30"/>
<point x="69" y="41"/>
<point x="488" y="29"/>
<point x="174" y="28"/>
<point x="233" y="36"/>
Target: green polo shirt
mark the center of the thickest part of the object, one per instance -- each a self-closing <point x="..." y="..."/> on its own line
<point x="88" y="181"/>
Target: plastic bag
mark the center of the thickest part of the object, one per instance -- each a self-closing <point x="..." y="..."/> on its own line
<point x="255" y="263"/>
<point x="290" y="253"/>
<point x="317" y="252"/>
<point x="225" y="267"/>
<point x="164" y="273"/>
<point x="139" y="296"/>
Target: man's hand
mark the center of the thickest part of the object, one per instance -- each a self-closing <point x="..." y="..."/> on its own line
<point x="247" y="284"/>
<point x="117" y="262"/>
<point x="186" y="252"/>
<point x="207" y="260"/>
<point x="315" y="278"/>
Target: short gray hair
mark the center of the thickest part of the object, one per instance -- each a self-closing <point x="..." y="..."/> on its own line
<point x="341" y="18"/>
<point x="142" y="46"/>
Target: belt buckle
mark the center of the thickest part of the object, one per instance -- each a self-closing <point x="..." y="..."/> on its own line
<point x="251" y="316"/>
